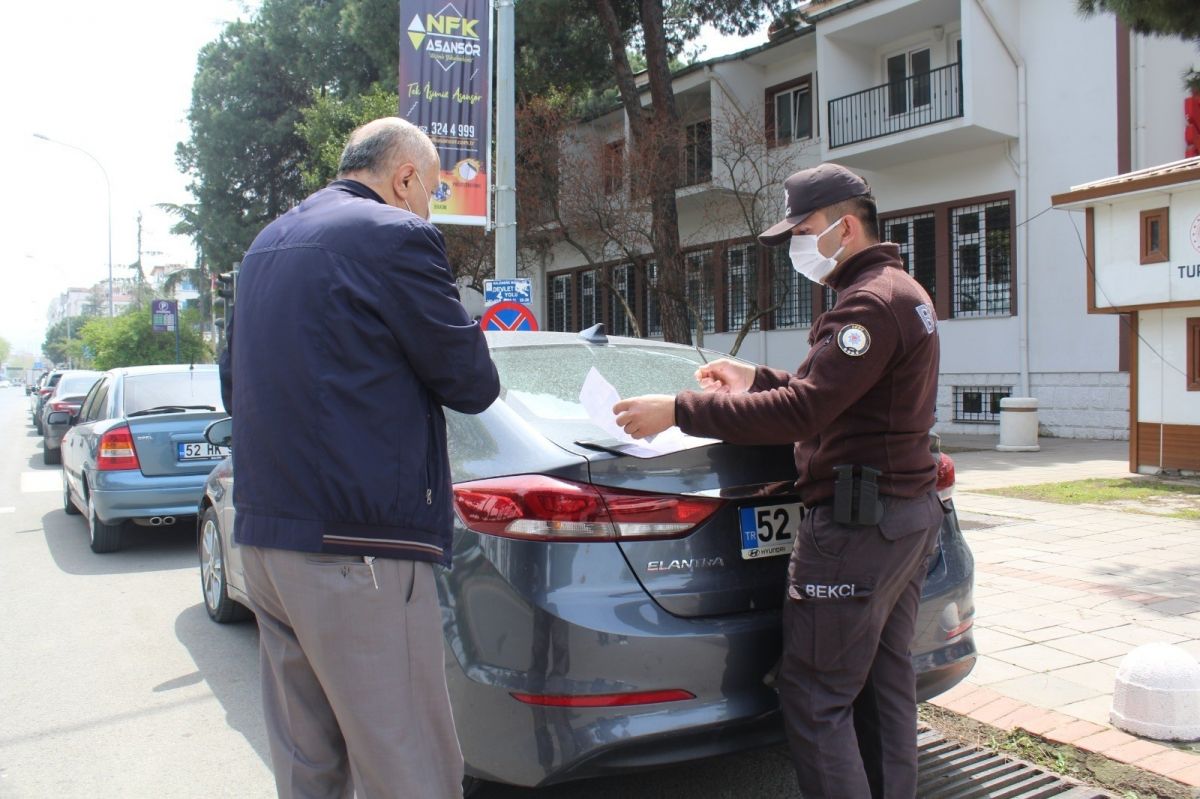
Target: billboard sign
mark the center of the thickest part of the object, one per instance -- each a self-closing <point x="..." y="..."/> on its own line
<point x="445" y="90"/>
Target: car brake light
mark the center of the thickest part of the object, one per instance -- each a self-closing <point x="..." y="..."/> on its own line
<point x="604" y="700"/>
<point x="545" y="508"/>
<point x="116" y="451"/>
<point x="960" y="629"/>
<point x="945" y="476"/>
<point x="69" y="407"/>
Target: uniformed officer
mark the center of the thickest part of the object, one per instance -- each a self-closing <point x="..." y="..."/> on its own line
<point x="859" y="409"/>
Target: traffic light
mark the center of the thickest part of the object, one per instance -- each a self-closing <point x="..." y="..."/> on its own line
<point x="227" y="286"/>
<point x="1191" y="133"/>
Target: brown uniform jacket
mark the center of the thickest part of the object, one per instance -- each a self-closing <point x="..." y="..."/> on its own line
<point x="866" y="400"/>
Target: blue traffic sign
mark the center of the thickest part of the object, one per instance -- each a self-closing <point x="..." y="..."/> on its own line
<point x="508" y="316"/>
<point x="517" y="289"/>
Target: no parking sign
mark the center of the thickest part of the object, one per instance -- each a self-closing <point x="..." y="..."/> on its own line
<point x="508" y="316"/>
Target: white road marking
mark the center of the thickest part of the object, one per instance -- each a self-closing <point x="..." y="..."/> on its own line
<point x="40" y="482"/>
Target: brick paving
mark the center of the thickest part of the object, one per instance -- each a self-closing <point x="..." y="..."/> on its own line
<point x="1063" y="593"/>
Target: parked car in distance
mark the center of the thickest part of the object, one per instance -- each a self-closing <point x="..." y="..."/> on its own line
<point x="5" y="382"/>
<point x="38" y="399"/>
<point x="607" y="612"/>
<point x="67" y="396"/>
<point x="135" y="452"/>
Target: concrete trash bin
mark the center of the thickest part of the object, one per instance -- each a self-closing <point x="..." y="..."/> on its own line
<point x="1157" y="693"/>
<point x="1018" y="425"/>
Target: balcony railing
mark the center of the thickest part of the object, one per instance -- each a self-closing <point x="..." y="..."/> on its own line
<point x="923" y="99"/>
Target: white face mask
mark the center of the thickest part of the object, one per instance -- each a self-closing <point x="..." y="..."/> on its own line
<point x="428" y="201"/>
<point x="807" y="258"/>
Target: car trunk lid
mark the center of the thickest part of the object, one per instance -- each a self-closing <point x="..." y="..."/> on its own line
<point x="173" y="443"/>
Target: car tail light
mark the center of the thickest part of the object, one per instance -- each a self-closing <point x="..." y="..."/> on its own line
<point x="544" y="508"/>
<point x="116" y="451"/>
<point x="69" y="407"/>
<point x="945" y="476"/>
<point x="604" y="700"/>
<point x="45" y="392"/>
<point x="960" y="629"/>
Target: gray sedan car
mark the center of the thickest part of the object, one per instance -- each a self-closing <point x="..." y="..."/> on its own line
<point x="68" y="396"/>
<point x="136" y="452"/>
<point x="606" y="611"/>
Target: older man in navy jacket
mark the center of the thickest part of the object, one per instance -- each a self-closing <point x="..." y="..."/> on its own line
<point x="350" y="339"/>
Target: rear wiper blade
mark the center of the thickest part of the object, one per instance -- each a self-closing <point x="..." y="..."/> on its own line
<point x="170" y="409"/>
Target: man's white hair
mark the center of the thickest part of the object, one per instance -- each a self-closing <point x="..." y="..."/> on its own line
<point x="380" y="146"/>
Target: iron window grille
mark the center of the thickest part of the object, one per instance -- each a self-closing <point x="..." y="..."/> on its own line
<point x="981" y="259"/>
<point x="697" y="153"/>
<point x="916" y="237"/>
<point x="791" y="292"/>
<point x="979" y="403"/>
<point x="653" y="316"/>
<point x="560" y="302"/>
<point x="698" y="287"/>
<point x="590" y="301"/>
<point x="741" y="286"/>
<point x="623" y="285"/>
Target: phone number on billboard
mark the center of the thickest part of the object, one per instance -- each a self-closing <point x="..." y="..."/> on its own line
<point x="445" y="129"/>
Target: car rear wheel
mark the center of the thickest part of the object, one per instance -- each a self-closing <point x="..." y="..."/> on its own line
<point x="51" y="455"/>
<point x="104" y="537"/>
<point x="68" y="502"/>
<point x="220" y="607"/>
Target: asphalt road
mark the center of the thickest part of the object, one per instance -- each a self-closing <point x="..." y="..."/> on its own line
<point x="113" y="681"/>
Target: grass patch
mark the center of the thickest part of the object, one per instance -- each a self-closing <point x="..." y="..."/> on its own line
<point x="1179" y="500"/>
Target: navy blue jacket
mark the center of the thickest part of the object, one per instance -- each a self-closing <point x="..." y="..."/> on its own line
<point x="348" y="338"/>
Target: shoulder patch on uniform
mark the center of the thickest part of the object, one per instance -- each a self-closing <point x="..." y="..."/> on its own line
<point x="927" y="317"/>
<point x="854" y="340"/>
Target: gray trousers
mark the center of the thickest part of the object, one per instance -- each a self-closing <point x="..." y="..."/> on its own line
<point x="846" y="682"/>
<point x="353" y="677"/>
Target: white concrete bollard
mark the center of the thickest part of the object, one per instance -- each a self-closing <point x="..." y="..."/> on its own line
<point x="1157" y="694"/>
<point x="1018" y="425"/>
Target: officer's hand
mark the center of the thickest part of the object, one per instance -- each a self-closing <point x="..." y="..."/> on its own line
<point x="725" y="376"/>
<point x="642" y="417"/>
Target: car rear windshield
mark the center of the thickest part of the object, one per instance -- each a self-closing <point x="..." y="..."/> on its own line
<point x="76" y="385"/>
<point x="543" y="383"/>
<point x="143" y="392"/>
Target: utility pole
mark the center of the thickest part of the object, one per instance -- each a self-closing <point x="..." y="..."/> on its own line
<point x="506" y="145"/>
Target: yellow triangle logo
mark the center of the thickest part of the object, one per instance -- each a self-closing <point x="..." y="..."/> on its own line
<point x="416" y="38"/>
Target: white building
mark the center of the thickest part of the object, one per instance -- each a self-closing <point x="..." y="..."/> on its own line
<point x="1143" y="243"/>
<point x="965" y="116"/>
<point x="70" y="303"/>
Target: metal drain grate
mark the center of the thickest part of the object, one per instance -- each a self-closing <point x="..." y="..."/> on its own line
<point x="949" y="770"/>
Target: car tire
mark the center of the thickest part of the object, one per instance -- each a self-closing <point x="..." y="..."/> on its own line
<point x="51" y="457"/>
<point x="104" y="537"/>
<point x="68" y="503"/>
<point x="211" y="550"/>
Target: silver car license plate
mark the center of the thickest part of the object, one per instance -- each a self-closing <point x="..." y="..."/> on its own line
<point x="769" y="530"/>
<point x="201" y="452"/>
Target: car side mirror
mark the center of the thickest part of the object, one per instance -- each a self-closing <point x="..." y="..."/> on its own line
<point x="59" y="417"/>
<point x="220" y="433"/>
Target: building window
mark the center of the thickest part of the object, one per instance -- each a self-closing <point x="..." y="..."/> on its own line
<point x="1155" y="240"/>
<point x="791" y="292"/>
<point x="698" y="281"/>
<point x="560" y="302"/>
<point x="697" y="153"/>
<point x="916" y="236"/>
<point x="981" y="259"/>
<point x="589" y="298"/>
<point x="653" y="317"/>
<point x="793" y="114"/>
<point x="741" y="286"/>
<point x="614" y="167"/>
<point x="619" y="323"/>
<point x="979" y="403"/>
<point x="1193" y="354"/>
<point x="908" y="81"/>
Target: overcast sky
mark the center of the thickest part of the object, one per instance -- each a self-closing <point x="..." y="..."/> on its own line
<point x="113" y="79"/>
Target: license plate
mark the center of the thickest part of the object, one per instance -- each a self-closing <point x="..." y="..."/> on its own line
<point x="769" y="530"/>
<point x="201" y="452"/>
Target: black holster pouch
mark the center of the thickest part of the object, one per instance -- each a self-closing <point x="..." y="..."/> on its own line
<point x="856" y="497"/>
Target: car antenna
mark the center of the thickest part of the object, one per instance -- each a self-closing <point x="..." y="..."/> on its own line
<point x="594" y="334"/>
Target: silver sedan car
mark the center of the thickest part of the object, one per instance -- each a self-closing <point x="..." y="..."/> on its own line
<point x="611" y="610"/>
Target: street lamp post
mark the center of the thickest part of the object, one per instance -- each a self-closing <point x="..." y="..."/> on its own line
<point x="108" y="189"/>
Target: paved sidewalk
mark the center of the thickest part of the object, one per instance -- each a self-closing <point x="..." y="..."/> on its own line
<point x="1063" y="593"/>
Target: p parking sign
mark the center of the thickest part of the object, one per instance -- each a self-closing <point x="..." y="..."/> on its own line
<point x="164" y="316"/>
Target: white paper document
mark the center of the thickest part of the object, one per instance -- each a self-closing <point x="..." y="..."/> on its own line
<point x="598" y="396"/>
